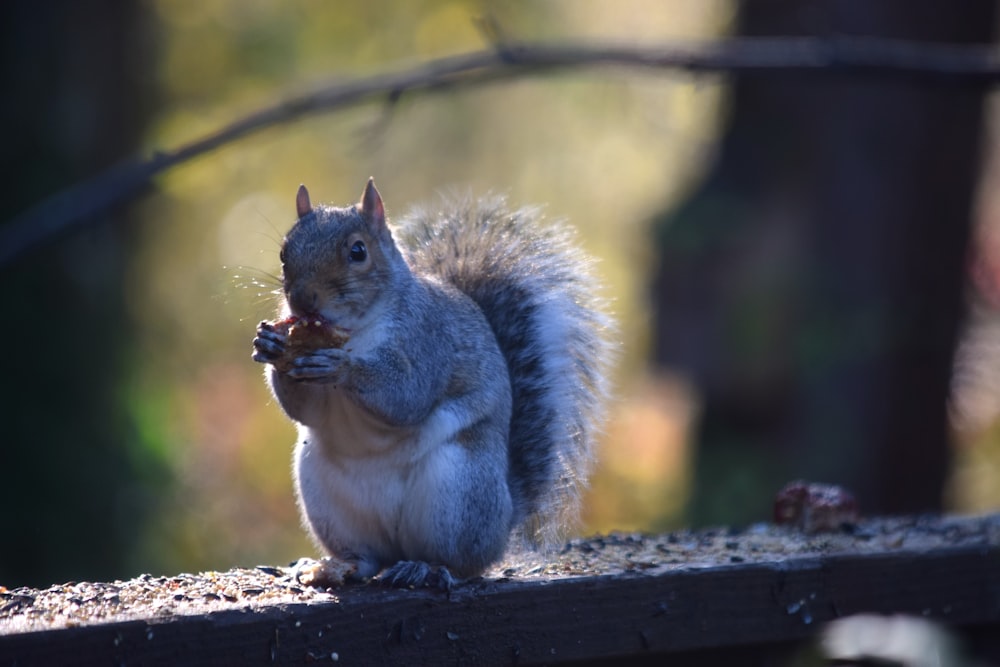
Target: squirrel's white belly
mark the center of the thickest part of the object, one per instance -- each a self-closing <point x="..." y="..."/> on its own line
<point x="352" y="506"/>
<point x="361" y="483"/>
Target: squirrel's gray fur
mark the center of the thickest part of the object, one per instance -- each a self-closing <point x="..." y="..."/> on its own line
<point x="538" y="293"/>
<point x="465" y="404"/>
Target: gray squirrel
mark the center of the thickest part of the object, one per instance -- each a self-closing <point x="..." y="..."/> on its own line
<point x="462" y="408"/>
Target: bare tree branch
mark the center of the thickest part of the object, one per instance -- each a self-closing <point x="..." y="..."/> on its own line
<point x="921" y="62"/>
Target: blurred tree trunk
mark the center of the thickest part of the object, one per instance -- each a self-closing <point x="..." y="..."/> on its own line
<point x="812" y="284"/>
<point x="77" y="487"/>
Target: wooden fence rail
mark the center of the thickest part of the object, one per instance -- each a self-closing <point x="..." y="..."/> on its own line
<point x="754" y="596"/>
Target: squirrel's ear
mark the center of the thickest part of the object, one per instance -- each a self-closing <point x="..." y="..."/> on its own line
<point x="302" y="204"/>
<point x="371" y="205"/>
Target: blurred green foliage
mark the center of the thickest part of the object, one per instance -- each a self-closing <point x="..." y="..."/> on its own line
<point x="185" y="454"/>
<point x="173" y="456"/>
<point x="203" y="272"/>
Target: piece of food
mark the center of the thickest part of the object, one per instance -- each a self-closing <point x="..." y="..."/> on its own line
<point x="815" y="508"/>
<point x="305" y="336"/>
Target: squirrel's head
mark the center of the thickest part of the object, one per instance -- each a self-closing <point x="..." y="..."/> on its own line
<point x="336" y="263"/>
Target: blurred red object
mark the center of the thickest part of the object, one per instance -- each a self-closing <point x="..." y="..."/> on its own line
<point x="815" y="508"/>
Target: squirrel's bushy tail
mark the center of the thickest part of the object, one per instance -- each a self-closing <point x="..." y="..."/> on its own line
<point x="537" y="290"/>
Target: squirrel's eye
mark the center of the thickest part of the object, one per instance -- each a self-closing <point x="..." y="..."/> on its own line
<point x="359" y="252"/>
<point x="281" y="255"/>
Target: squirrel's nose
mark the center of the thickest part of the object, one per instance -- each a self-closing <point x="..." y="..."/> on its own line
<point x="303" y="300"/>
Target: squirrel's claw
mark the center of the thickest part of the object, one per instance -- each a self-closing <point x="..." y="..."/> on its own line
<point x="417" y="574"/>
<point x="267" y="350"/>
<point x="269" y="344"/>
<point x="324" y="366"/>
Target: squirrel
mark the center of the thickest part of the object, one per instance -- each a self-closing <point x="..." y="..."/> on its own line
<point x="464" y="407"/>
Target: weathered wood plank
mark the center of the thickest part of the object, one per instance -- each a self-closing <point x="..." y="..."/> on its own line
<point x="733" y="598"/>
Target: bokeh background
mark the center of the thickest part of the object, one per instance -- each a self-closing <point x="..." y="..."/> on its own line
<point x="794" y="260"/>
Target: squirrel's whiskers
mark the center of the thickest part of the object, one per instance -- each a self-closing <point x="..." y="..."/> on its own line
<point x="267" y="285"/>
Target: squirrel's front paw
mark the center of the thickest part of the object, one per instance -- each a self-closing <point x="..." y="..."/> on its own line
<point x="322" y="366"/>
<point x="269" y="345"/>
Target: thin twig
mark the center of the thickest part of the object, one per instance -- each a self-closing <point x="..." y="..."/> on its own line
<point x="922" y="62"/>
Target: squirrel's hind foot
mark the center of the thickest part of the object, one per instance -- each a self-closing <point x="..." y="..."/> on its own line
<point x="328" y="572"/>
<point x="417" y="574"/>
